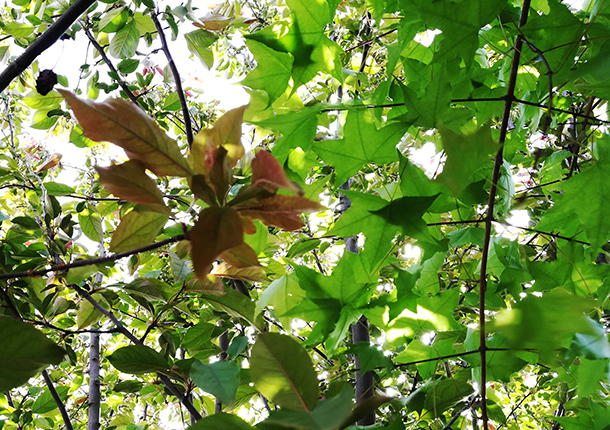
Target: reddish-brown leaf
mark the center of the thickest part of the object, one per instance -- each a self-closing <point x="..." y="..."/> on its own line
<point x="280" y="210"/>
<point x="208" y="285"/>
<point x="126" y="125"/>
<point x="129" y="181"/>
<point x="226" y="133"/>
<point x="267" y="173"/>
<point x="241" y="256"/>
<point x="217" y="230"/>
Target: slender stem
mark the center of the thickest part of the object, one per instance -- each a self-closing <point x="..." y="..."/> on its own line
<point x="108" y="62"/>
<point x="185" y="110"/>
<point x="91" y="261"/>
<point x="499" y="159"/>
<point x="44" y="42"/>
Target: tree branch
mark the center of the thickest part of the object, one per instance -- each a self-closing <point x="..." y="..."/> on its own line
<point x="185" y="109"/>
<point x="43" y="42"/>
<point x="91" y="261"/>
<point x="108" y="62"/>
<point x="489" y="218"/>
<point x="57" y="399"/>
<point x="168" y="383"/>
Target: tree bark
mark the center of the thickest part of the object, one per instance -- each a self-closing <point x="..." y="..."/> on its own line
<point x="93" y="421"/>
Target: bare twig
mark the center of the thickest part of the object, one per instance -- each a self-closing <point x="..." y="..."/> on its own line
<point x="185" y="110"/>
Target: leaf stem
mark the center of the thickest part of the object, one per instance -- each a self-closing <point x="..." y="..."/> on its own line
<point x="188" y="128"/>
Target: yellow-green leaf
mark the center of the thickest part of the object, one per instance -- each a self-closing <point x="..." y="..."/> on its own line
<point x="226" y="133"/>
<point x="137" y="228"/>
<point x="126" y="125"/>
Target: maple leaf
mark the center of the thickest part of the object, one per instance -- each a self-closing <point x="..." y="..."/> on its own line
<point x="362" y="143"/>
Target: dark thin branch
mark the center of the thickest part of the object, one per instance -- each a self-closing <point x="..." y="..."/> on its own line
<point x="44" y="42"/>
<point x="370" y="41"/>
<point x="489" y="218"/>
<point x="185" y="110"/>
<point x="91" y="261"/>
<point x="108" y="62"/>
<point x="57" y="399"/>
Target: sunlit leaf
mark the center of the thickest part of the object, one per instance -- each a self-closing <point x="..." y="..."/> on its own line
<point x="282" y="370"/>
<point x="138" y="228"/>
<point x="220" y="379"/>
<point x="126" y="125"/>
<point x="226" y="133"/>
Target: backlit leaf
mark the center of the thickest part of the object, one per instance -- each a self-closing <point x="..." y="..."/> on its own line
<point x="226" y="133"/>
<point x="216" y="230"/>
<point x="138" y="228"/>
<point x="282" y="370"/>
<point x="279" y="210"/>
<point x="128" y="181"/>
<point x="126" y="125"/>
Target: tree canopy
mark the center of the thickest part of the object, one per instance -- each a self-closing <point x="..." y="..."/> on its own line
<point x="404" y="228"/>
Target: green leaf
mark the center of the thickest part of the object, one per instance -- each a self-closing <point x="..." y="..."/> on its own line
<point x="37" y="101"/>
<point x="137" y="228"/>
<point x="25" y="352"/>
<point x="362" y="143"/>
<point x="45" y="403"/>
<point x="298" y="130"/>
<point x="273" y="70"/>
<point x="282" y="370"/>
<point x="91" y="225"/>
<point x="221" y="421"/>
<point x="236" y="304"/>
<point x="57" y="189"/>
<point x="199" y="42"/>
<point x="220" y="379"/>
<point x="283" y="294"/>
<point x="590" y="186"/>
<point x="542" y="322"/>
<point x="137" y="359"/>
<point x="125" y="42"/>
<point x="179" y="267"/>
<point x="469" y="158"/>
<point x="407" y="213"/>
<point x="128" y="387"/>
<point x="18" y="30"/>
<point x="128" y="66"/>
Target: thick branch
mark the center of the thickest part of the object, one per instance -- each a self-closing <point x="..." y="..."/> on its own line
<point x="43" y="42"/>
<point x="185" y="109"/>
<point x="499" y="159"/>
